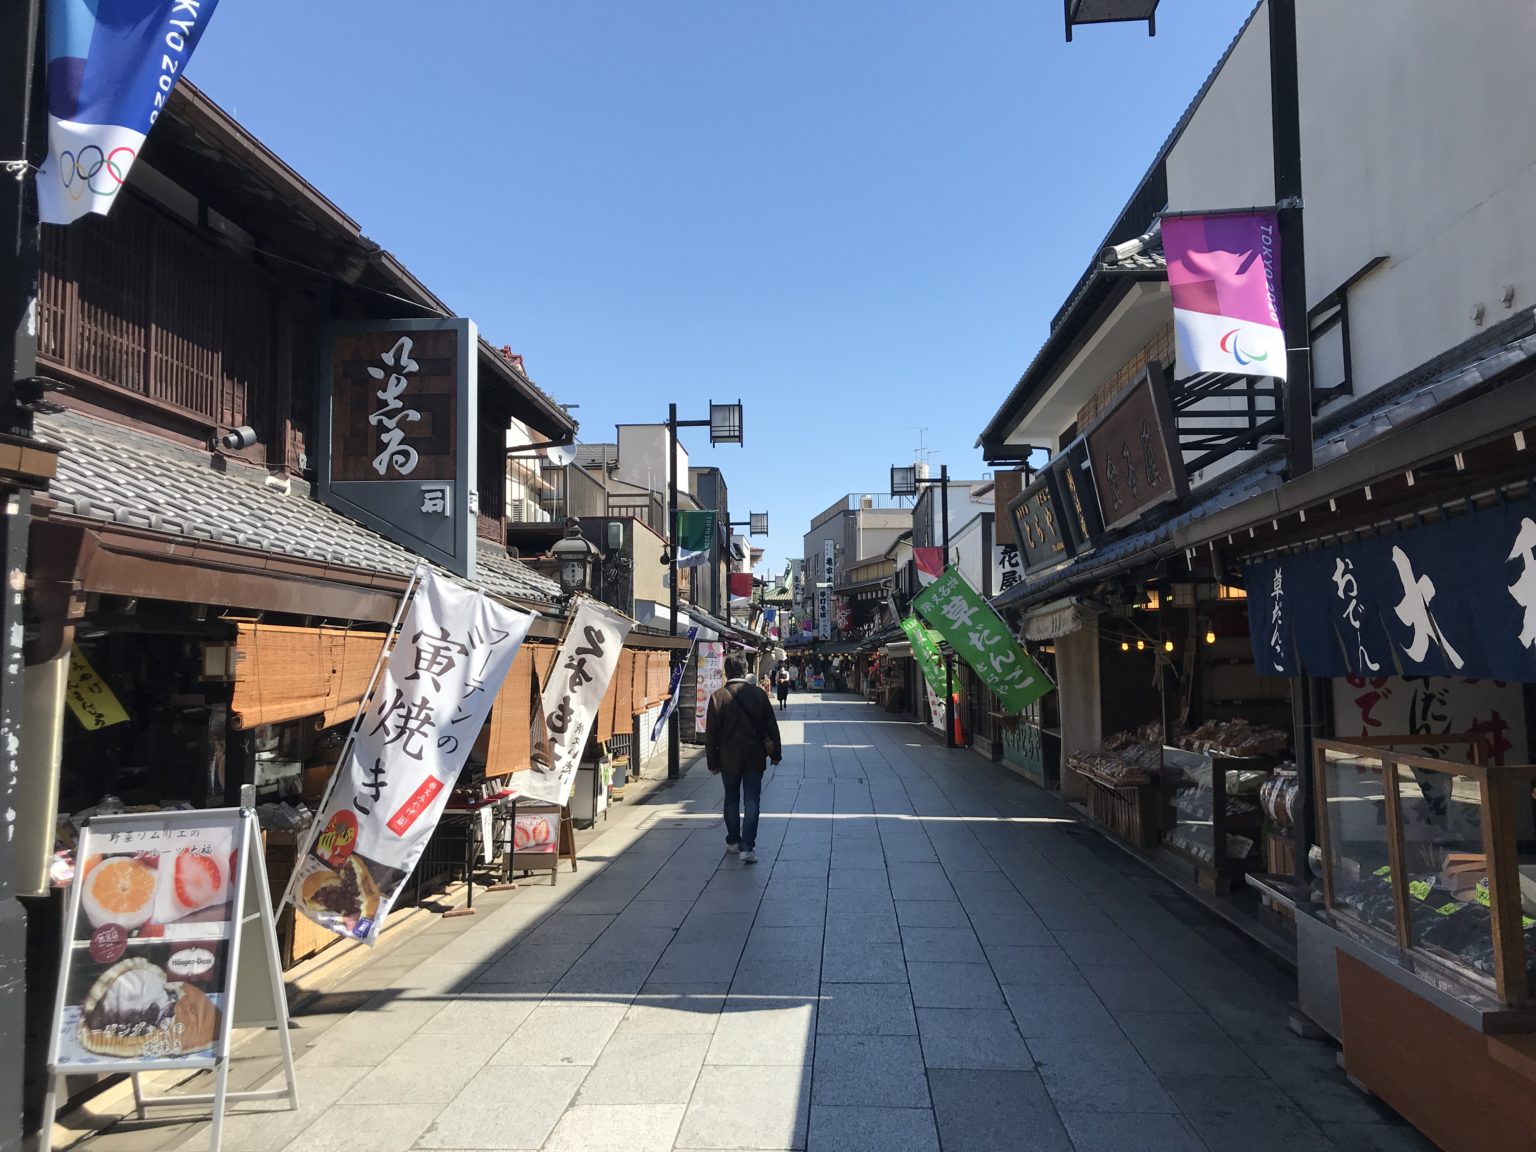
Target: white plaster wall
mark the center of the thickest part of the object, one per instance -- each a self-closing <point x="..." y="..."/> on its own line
<point x="1418" y="144"/>
<point x="645" y="456"/>
<point x="971" y="557"/>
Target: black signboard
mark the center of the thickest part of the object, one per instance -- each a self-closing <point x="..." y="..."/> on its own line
<point x="1076" y="505"/>
<point x="1037" y="525"/>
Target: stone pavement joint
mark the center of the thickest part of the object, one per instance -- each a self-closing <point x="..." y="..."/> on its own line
<point x="929" y="955"/>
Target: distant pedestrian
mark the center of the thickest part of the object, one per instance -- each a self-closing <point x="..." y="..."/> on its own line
<point x="782" y="687"/>
<point x="741" y="735"/>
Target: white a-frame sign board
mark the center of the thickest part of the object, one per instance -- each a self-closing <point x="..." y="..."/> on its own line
<point x="170" y="946"/>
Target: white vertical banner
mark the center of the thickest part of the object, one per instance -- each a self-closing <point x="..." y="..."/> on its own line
<point x="577" y="684"/>
<point x="451" y="652"/>
<point x="824" y="611"/>
<point x="709" y="680"/>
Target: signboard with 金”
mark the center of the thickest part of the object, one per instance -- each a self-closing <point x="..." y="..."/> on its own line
<point x="90" y="700"/>
<point x="1134" y="451"/>
<point x="398" y="408"/>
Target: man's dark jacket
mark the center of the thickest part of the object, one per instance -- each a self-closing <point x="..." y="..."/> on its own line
<point x="732" y="743"/>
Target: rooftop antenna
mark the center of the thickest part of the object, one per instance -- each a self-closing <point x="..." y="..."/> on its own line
<point x="921" y="453"/>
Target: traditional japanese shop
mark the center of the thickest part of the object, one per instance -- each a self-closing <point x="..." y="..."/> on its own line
<point x="1392" y="592"/>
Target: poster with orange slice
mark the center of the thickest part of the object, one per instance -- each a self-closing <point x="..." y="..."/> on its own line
<point x="150" y="943"/>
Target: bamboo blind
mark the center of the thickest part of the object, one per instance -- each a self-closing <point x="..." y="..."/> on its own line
<point x="511" y="720"/>
<point x="658" y="677"/>
<point x="284" y="674"/>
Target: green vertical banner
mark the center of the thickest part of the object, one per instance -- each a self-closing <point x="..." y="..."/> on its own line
<point x="977" y="633"/>
<point x="925" y="650"/>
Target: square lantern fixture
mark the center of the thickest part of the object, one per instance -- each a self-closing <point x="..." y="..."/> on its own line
<point x="903" y="480"/>
<point x="574" y="556"/>
<point x="724" y="423"/>
<point x="1111" y="12"/>
<point x="758" y="523"/>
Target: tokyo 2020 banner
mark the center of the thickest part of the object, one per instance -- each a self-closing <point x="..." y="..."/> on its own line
<point x="111" y="67"/>
<point x="1224" y="277"/>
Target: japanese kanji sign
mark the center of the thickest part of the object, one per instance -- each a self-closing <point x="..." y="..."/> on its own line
<point x="925" y="650"/>
<point x="1134" y="451"/>
<point x="577" y="682"/>
<point x="92" y="702"/>
<point x="1456" y="597"/>
<point x="399" y="409"/>
<point x="409" y="741"/>
<point x="982" y="640"/>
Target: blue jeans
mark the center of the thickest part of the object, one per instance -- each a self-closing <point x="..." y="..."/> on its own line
<point x="738" y="831"/>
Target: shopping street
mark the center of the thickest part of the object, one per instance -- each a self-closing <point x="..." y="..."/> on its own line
<point x="931" y="953"/>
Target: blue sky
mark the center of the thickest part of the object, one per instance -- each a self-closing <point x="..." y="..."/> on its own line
<point x="858" y="216"/>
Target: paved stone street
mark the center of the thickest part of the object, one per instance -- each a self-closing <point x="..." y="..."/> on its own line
<point x="930" y="954"/>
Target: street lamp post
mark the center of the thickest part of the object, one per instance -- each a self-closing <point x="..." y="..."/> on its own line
<point x="905" y="482"/>
<point x="724" y="426"/>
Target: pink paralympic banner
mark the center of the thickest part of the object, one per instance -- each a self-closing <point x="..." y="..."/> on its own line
<point x="1224" y="274"/>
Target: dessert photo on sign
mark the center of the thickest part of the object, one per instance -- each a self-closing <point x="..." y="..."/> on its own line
<point x="153" y="999"/>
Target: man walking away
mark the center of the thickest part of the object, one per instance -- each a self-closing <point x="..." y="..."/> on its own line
<point x="741" y="735"/>
<point x="783" y="688"/>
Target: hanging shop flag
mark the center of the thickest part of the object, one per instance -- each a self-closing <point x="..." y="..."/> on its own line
<point x="1224" y="276"/>
<point x="977" y="633"/>
<point x="452" y="648"/>
<point x="925" y="650"/>
<point x="674" y="687"/>
<point x="741" y="584"/>
<point x="577" y="683"/>
<point x="111" y="67"/>
<point x="1456" y="597"/>
<point x="930" y="564"/>
<point x="695" y="533"/>
<point x="709" y="680"/>
<point x="93" y="703"/>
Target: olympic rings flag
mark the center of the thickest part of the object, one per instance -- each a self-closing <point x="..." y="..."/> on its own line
<point x="111" y="67"/>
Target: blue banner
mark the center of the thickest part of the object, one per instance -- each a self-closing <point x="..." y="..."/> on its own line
<point x="674" y="687"/>
<point x="1453" y="598"/>
<point x="112" y="64"/>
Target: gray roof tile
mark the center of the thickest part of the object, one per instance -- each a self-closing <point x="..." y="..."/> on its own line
<point x="117" y="474"/>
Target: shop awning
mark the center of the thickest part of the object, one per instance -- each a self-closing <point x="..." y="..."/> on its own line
<point x="654" y="615"/>
<point x="902" y="650"/>
<point x="1058" y="618"/>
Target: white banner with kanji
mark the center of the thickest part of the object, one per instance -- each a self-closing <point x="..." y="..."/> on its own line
<point x="450" y="655"/>
<point x="577" y="683"/>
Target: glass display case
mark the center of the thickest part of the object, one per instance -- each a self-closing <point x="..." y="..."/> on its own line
<point x="1216" y="821"/>
<point x="1434" y="860"/>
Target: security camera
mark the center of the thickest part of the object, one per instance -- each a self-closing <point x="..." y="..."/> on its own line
<point x="237" y="439"/>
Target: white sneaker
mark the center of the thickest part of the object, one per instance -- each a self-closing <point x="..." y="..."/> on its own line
<point x="733" y="847"/>
<point x="748" y="856"/>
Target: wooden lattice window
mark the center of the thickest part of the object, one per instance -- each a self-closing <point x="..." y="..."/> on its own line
<point x="138" y="301"/>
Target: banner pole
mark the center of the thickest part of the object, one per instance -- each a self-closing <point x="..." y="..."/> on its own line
<point x="411" y="589"/>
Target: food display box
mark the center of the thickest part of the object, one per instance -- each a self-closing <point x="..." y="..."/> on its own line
<point x="1217" y="822"/>
<point x="1426" y="937"/>
<point x="1435" y="862"/>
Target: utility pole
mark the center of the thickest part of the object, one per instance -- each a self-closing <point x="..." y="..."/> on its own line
<point x="949" y="659"/>
<point x="674" y="727"/>
<point x="1285" y="122"/>
<point x="20" y="46"/>
<point x="1285" y="119"/>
